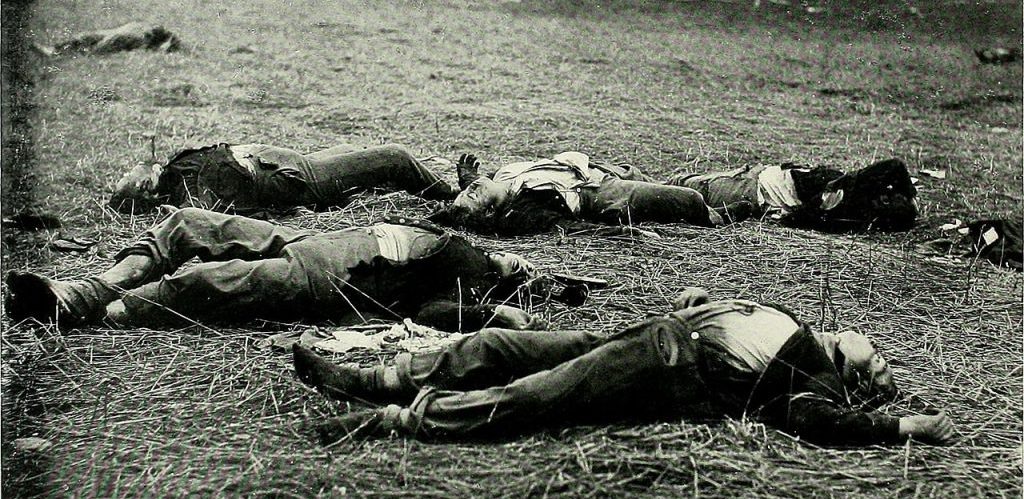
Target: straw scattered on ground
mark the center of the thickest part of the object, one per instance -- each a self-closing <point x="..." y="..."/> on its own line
<point x="669" y="86"/>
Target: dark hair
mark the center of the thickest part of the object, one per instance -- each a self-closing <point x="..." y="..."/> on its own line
<point x="528" y="212"/>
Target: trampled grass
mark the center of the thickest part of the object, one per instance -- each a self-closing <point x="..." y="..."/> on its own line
<point x="666" y="85"/>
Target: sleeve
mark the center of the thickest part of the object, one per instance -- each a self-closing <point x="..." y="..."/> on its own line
<point x="450" y="316"/>
<point x="819" y="420"/>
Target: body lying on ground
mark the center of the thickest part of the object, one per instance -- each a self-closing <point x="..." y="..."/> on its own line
<point x="879" y="196"/>
<point x="571" y="192"/>
<point x="705" y="360"/>
<point x="253" y="269"/>
<point x="254" y="178"/>
<point x="130" y="36"/>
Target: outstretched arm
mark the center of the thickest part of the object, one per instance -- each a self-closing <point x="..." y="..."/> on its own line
<point x="451" y="316"/>
<point x="822" y="421"/>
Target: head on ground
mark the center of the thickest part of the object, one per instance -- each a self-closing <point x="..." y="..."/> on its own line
<point x="880" y="196"/>
<point x="864" y="371"/>
<point x="135" y="191"/>
<point x="482" y="195"/>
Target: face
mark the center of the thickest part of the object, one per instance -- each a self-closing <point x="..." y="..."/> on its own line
<point x="481" y="195"/>
<point x="865" y="372"/>
<point x="135" y="191"/>
<point x="141" y="179"/>
<point x="512" y="265"/>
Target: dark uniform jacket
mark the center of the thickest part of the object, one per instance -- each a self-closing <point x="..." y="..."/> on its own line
<point x="800" y="392"/>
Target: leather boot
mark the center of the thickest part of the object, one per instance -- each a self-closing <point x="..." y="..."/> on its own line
<point x="345" y="382"/>
<point x="66" y="303"/>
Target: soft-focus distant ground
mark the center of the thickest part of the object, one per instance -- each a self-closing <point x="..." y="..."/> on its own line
<point x="666" y="85"/>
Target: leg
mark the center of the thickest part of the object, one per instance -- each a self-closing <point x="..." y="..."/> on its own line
<point x="233" y="291"/>
<point x="336" y="176"/>
<point x="186" y="233"/>
<point x="492" y="357"/>
<point x="332" y="151"/>
<point x="630" y="201"/>
<point x="647" y="370"/>
<point x="211" y="236"/>
<point x="723" y="188"/>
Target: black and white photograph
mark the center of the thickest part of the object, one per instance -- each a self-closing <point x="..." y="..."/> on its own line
<point x="512" y="248"/>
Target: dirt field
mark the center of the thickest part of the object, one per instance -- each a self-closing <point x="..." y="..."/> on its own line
<point x="669" y="86"/>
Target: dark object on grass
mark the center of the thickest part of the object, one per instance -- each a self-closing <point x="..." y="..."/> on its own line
<point x="254" y="178"/>
<point x="998" y="241"/>
<point x="572" y="193"/>
<point x="31" y="220"/>
<point x="65" y="242"/>
<point x="997" y="55"/>
<point x="131" y="36"/>
<point x="879" y="196"/>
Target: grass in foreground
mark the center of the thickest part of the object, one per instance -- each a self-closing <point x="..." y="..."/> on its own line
<point x="666" y="86"/>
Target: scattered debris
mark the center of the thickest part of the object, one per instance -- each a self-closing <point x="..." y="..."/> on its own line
<point x="998" y="241"/>
<point x="956" y="224"/>
<point x="939" y="174"/>
<point x="70" y="243"/>
<point x="31" y="220"/>
<point x="344" y="340"/>
<point x="131" y="36"/>
<point x="407" y="336"/>
<point x="997" y="55"/>
<point x="32" y="444"/>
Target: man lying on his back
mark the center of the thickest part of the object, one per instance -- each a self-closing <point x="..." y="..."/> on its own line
<point x="252" y="269"/>
<point x="704" y="360"/>
<point x="878" y="196"/>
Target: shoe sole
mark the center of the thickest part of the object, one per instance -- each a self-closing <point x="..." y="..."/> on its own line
<point x="31" y="298"/>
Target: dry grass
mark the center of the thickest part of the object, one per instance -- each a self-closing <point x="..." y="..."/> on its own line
<point x="201" y="411"/>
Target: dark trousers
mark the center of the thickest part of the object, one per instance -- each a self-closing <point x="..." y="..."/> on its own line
<point x="620" y="201"/>
<point x="506" y="382"/>
<point x="723" y="188"/>
<point x="247" y="269"/>
<point x="337" y="173"/>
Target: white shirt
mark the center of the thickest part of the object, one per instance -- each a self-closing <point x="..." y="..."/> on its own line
<point x="402" y="242"/>
<point x="750" y="333"/>
<point x="564" y="173"/>
<point x="776" y="190"/>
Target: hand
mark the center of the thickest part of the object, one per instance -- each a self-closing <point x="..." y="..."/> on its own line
<point x="635" y="232"/>
<point x="468" y="161"/>
<point x="516" y="318"/>
<point x="467" y="169"/>
<point x="933" y="429"/>
<point x="690" y="297"/>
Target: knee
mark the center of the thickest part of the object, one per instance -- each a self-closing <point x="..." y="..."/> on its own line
<point x="398" y="151"/>
<point x="188" y="214"/>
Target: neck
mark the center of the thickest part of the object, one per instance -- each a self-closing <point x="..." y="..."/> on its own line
<point x="828" y="342"/>
<point x="505" y="194"/>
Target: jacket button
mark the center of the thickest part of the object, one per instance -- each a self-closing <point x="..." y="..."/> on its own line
<point x="694" y="335"/>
